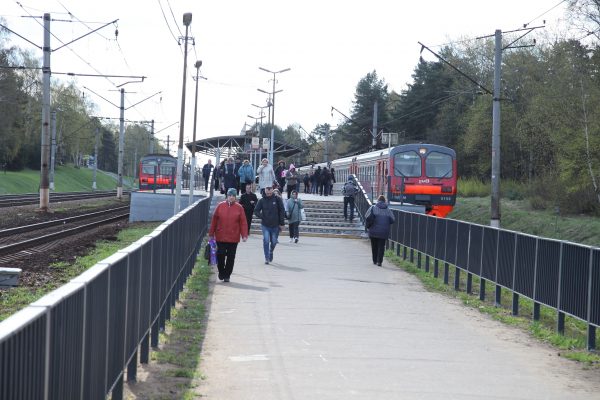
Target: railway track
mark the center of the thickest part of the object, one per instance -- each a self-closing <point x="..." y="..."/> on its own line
<point x="20" y="242"/>
<point x="15" y="200"/>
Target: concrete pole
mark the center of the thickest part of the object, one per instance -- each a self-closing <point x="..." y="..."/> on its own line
<point x="53" y="150"/>
<point x="272" y="125"/>
<point x="326" y="158"/>
<point x="187" y="19"/>
<point x="45" y="148"/>
<point x="495" y="220"/>
<point x="121" y="145"/>
<point x="374" y="133"/>
<point x="193" y="162"/>
<point x="95" y="159"/>
<point x="152" y="137"/>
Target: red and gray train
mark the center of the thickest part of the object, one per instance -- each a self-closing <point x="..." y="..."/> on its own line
<point x="422" y="174"/>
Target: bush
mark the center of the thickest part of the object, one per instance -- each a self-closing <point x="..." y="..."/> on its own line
<point x="472" y="187"/>
<point x="513" y="190"/>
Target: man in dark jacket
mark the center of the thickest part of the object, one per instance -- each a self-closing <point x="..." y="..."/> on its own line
<point x="271" y="212"/>
<point x="349" y="191"/>
<point x="206" y="173"/>
<point x="379" y="231"/>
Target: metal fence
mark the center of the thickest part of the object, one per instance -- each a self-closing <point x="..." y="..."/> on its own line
<point x="77" y="341"/>
<point x="554" y="273"/>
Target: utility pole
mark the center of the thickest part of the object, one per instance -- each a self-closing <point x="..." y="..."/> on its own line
<point x="44" y="180"/>
<point x="495" y="220"/>
<point x="198" y="64"/>
<point x="152" y="137"/>
<point x="53" y="151"/>
<point x="95" y="159"/>
<point x="326" y="144"/>
<point x="187" y="20"/>
<point x="121" y="145"/>
<point x="273" y="111"/>
<point x="374" y="133"/>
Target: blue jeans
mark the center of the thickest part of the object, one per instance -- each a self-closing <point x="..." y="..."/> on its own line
<point x="270" y="236"/>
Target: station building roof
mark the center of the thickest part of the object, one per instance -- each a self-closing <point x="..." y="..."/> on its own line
<point x="238" y="144"/>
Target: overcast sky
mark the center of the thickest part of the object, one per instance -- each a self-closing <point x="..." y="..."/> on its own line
<point x="328" y="45"/>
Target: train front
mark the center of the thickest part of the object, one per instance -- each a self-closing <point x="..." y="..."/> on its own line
<point x="423" y="174"/>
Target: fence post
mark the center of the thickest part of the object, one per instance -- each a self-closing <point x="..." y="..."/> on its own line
<point x="498" y="300"/>
<point x="482" y="289"/>
<point x="469" y="283"/>
<point x="515" y="304"/>
<point x="426" y="263"/>
<point x="456" y="278"/>
<point x="446" y="272"/>
<point x="591" y="337"/>
<point x="436" y="268"/>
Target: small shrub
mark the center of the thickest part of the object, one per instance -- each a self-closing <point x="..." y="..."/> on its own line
<point x="472" y="187"/>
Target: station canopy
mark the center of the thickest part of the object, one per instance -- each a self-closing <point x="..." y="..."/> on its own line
<point x="230" y="146"/>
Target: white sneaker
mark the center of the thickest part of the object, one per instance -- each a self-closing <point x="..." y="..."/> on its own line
<point x="291" y="240"/>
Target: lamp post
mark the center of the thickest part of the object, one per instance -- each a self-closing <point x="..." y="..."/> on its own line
<point x="193" y="162"/>
<point x="187" y="20"/>
<point x="273" y="110"/>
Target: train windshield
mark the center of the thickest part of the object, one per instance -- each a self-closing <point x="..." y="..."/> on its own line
<point x="148" y="167"/>
<point x="166" y="168"/>
<point x="438" y="165"/>
<point x="407" y="164"/>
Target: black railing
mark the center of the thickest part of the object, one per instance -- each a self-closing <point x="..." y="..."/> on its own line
<point x="77" y="341"/>
<point x="557" y="274"/>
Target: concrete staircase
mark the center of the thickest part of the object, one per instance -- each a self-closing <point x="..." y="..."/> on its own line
<point x="323" y="218"/>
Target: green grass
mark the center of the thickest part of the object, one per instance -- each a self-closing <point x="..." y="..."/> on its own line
<point x="66" y="179"/>
<point x="14" y="299"/>
<point x="185" y="332"/>
<point x="518" y="215"/>
<point x="572" y="344"/>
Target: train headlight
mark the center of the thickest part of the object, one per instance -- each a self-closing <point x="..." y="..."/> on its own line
<point x="446" y="189"/>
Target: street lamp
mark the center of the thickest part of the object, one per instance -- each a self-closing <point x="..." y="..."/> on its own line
<point x="193" y="162"/>
<point x="273" y="112"/>
<point x="187" y="20"/>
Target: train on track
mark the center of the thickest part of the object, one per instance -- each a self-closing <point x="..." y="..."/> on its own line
<point x="157" y="171"/>
<point x="421" y="174"/>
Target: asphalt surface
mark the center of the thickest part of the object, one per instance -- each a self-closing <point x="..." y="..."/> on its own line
<point x="322" y="322"/>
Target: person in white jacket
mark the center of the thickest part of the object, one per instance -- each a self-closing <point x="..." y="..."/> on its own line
<point x="266" y="176"/>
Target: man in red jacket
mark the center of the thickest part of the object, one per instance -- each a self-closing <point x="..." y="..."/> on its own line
<point x="227" y="225"/>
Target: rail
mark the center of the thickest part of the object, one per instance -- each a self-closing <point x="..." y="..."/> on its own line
<point x="33" y="198"/>
<point x="77" y="341"/>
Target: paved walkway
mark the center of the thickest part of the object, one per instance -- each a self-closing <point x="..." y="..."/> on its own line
<point x="322" y="322"/>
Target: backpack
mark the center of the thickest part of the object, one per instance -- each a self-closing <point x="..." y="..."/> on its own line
<point x="370" y="220"/>
<point x="349" y="189"/>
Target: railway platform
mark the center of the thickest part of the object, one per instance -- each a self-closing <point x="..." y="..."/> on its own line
<point x="322" y="322"/>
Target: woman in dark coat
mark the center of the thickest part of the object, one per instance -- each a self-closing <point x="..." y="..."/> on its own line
<point x="248" y="200"/>
<point x="379" y="231"/>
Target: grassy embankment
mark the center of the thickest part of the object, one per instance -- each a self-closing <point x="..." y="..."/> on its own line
<point x="66" y="179"/>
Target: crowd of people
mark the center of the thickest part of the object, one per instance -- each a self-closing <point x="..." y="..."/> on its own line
<point x="232" y="219"/>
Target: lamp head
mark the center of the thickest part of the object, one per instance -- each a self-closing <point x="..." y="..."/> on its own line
<point x="187" y="19"/>
<point x="198" y="64"/>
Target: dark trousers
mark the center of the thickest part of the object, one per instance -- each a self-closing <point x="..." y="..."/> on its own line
<point x="206" y="183"/>
<point x="289" y="190"/>
<point x="294" y="229"/>
<point x="225" y="258"/>
<point x="377" y="248"/>
<point x="249" y="219"/>
<point x="349" y="202"/>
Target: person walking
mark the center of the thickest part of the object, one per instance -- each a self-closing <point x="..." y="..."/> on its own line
<point x="246" y="175"/>
<point x="229" y="175"/>
<point x="266" y="176"/>
<point x="280" y="172"/>
<point x="271" y="213"/>
<point x="349" y="191"/>
<point x="292" y="180"/>
<point x="294" y="205"/>
<point x="227" y="226"/>
<point x="379" y="229"/>
<point x="248" y="201"/>
<point x="206" y="173"/>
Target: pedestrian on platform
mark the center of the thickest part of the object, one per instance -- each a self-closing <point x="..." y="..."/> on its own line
<point x="229" y="175"/>
<point x="266" y="176"/>
<point x="379" y="230"/>
<point x="227" y="226"/>
<point x="248" y="201"/>
<point x="206" y="173"/>
<point x="280" y="172"/>
<point x="246" y="174"/>
<point x="294" y="205"/>
<point x="271" y="213"/>
<point x="349" y="191"/>
<point x="293" y="181"/>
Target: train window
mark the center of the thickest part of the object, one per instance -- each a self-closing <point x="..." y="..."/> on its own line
<point x="166" y="168"/>
<point x="148" y="167"/>
<point x="407" y="164"/>
<point x="438" y="165"/>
